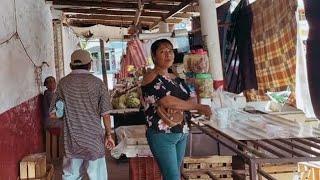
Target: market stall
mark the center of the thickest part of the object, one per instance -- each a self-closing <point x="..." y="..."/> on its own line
<point x="264" y="139"/>
<point x="258" y="58"/>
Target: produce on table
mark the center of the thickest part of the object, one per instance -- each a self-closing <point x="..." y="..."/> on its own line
<point x="129" y="100"/>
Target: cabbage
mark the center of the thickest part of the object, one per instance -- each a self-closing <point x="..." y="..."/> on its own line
<point x="122" y="101"/>
<point x="133" y="94"/>
<point x="133" y="102"/>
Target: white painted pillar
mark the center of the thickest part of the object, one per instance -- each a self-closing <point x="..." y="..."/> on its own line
<point x="210" y="36"/>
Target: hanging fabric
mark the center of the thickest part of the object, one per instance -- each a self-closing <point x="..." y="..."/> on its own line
<point x="238" y="57"/>
<point x="302" y="85"/>
<point x="312" y="11"/>
<point x="123" y="73"/>
<point x="136" y="54"/>
<point x="273" y="37"/>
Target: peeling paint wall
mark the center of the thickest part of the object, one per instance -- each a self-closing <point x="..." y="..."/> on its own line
<point x="26" y="40"/>
<point x="17" y="73"/>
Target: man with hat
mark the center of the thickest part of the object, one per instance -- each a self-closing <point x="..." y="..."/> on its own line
<point x="85" y="100"/>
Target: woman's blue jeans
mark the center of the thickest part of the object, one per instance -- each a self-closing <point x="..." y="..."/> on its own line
<point x="168" y="149"/>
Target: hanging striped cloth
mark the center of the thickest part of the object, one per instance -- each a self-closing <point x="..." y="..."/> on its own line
<point x="136" y="54"/>
<point x="123" y="73"/>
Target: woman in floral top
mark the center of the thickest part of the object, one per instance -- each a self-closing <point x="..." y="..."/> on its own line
<point x="159" y="88"/>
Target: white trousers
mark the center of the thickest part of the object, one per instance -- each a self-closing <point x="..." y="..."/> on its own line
<point x="73" y="169"/>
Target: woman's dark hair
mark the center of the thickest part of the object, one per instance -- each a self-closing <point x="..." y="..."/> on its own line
<point x="47" y="79"/>
<point x="155" y="45"/>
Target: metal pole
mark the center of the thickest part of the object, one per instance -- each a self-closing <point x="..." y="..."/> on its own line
<point x="103" y="63"/>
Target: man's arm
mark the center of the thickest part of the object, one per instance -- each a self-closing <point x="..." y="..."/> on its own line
<point x="109" y="142"/>
<point x="107" y="124"/>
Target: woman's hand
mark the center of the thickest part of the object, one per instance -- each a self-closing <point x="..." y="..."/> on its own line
<point x="205" y="110"/>
<point x="109" y="143"/>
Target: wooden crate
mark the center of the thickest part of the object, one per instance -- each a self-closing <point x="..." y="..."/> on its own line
<point x="54" y="147"/>
<point x="309" y="170"/>
<point x="48" y="175"/>
<point x="199" y="168"/>
<point x="33" y="166"/>
<point x="281" y="171"/>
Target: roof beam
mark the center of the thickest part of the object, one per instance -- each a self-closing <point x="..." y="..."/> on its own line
<point x="107" y="17"/>
<point x="120" y="13"/>
<point x="105" y="4"/>
<point x="193" y="8"/>
<point x="174" y="11"/>
<point x="109" y="12"/>
<point x="97" y="11"/>
<point x="81" y="23"/>
<point x="111" y="5"/>
<point x="119" y="19"/>
<point x="159" y="7"/>
<point x="155" y="1"/>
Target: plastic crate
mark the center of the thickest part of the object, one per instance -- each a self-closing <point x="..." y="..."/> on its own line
<point x="144" y="168"/>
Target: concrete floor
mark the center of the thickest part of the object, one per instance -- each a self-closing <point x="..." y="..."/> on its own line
<point x="117" y="170"/>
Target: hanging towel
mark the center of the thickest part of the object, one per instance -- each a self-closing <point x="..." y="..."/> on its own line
<point x="312" y="11"/>
<point x="273" y="38"/>
<point x="123" y="73"/>
<point x="136" y="53"/>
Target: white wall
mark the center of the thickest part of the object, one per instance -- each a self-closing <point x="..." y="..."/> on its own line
<point x="17" y="73"/>
<point x="70" y="43"/>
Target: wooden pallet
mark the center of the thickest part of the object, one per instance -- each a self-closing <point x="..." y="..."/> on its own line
<point x="205" y="168"/>
<point x="48" y="176"/>
<point x="221" y="168"/>
<point x="309" y="170"/>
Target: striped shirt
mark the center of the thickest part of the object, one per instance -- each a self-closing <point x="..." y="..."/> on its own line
<point x="86" y="100"/>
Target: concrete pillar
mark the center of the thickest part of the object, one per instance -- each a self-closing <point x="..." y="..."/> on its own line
<point x="210" y="36"/>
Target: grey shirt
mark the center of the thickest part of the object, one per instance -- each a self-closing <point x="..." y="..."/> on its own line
<point x="86" y="99"/>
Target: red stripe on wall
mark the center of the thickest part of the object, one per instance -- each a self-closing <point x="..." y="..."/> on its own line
<point x="20" y="134"/>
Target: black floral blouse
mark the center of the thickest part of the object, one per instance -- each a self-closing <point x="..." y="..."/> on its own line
<point x="160" y="87"/>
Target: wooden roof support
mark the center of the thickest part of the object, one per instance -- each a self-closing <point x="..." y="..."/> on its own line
<point x="86" y="22"/>
<point x="128" y="1"/>
<point x="174" y="11"/>
<point x="120" y="13"/>
<point x="97" y="11"/>
<point x="111" y="5"/>
<point x="138" y="13"/>
<point x="193" y="8"/>
<point x="111" y="18"/>
<point x="87" y="4"/>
